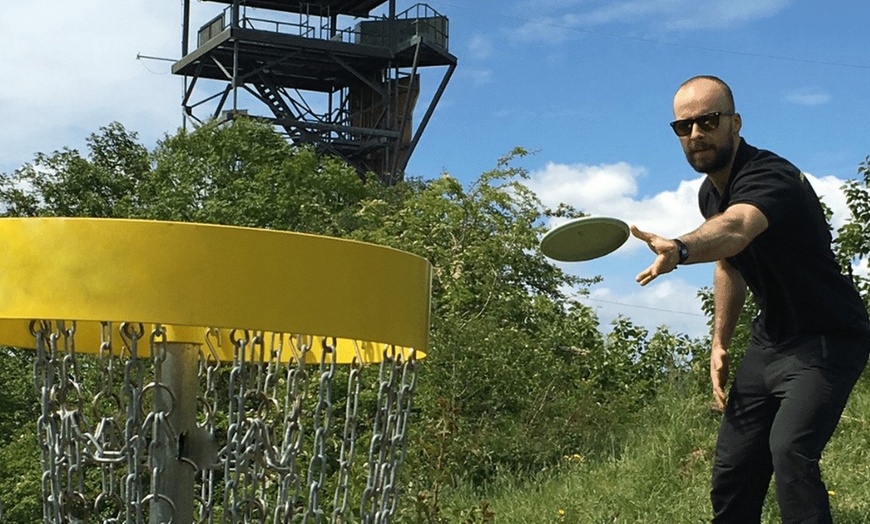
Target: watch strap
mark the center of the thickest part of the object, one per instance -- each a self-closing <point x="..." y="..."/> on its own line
<point x="682" y="250"/>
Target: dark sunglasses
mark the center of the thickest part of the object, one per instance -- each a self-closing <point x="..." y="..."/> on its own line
<point x="707" y="122"/>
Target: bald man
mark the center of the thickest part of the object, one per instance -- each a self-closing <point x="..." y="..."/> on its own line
<point x="766" y="231"/>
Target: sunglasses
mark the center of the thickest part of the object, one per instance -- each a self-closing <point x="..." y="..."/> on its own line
<point x="707" y="122"/>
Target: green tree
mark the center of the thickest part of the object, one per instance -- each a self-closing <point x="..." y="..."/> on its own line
<point x="19" y="453"/>
<point x="852" y="244"/>
<point x="245" y="174"/>
<point x="518" y="372"/>
<point x="104" y="183"/>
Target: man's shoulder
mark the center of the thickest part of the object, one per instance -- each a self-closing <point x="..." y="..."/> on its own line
<point x="755" y="159"/>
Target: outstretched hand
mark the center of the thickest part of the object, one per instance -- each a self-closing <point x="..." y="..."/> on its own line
<point x="666" y="252"/>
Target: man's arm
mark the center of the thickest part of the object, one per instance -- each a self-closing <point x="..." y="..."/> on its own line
<point x="720" y="237"/>
<point x="729" y="295"/>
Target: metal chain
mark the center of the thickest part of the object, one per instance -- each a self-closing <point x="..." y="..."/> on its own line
<point x="233" y="467"/>
<point x="270" y="415"/>
<point x="399" y="437"/>
<point x="292" y="428"/>
<point x="348" y="442"/>
<point x="108" y="437"/>
<point x="46" y="361"/>
<point x="162" y="434"/>
<point x="208" y="371"/>
<point x="389" y="436"/>
<point x="322" y="425"/>
<point x="134" y="451"/>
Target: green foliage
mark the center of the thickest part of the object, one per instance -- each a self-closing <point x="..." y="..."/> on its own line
<point x="501" y="387"/>
<point x="102" y="184"/>
<point x="18" y="394"/>
<point x="245" y="174"/>
<point x="639" y="364"/>
<point x="20" y="485"/>
<point x="658" y="472"/>
<point x="853" y="238"/>
<point x="20" y="481"/>
<point x="518" y="374"/>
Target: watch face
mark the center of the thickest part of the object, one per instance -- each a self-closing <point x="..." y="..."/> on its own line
<point x="683" y="250"/>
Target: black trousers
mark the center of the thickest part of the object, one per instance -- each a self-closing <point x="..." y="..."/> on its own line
<point x="782" y="409"/>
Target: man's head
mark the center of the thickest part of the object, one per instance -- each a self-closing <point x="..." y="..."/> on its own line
<point x="707" y="125"/>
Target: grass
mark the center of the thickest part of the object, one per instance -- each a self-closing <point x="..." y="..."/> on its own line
<point x="659" y="473"/>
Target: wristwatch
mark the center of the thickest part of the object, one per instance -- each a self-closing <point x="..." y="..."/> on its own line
<point x="682" y="250"/>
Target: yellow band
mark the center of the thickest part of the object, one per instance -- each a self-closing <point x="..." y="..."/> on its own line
<point x="201" y="276"/>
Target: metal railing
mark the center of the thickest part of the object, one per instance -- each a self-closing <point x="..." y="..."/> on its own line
<point x="418" y="20"/>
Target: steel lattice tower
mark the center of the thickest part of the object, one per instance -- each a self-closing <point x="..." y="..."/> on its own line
<point x="348" y="91"/>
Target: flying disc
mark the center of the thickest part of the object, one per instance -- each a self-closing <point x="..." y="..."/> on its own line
<point x="584" y="239"/>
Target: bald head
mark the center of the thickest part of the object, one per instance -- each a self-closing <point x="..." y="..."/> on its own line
<point x="706" y="90"/>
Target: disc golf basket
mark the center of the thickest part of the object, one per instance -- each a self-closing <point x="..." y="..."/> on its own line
<point x="197" y="373"/>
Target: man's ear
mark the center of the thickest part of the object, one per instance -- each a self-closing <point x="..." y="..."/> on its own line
<point x="738" y="123"/>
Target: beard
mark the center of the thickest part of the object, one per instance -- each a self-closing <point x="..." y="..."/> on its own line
<point x="709" y="164"/>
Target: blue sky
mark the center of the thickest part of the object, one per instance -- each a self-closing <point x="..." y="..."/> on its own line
<point x="587" y="84"/>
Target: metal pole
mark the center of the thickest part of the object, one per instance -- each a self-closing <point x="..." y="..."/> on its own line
<point x="177" y="396"/>
<point x="435" y="99"/>
<point x="236" y="23"/>
<point x="185" y="27"/>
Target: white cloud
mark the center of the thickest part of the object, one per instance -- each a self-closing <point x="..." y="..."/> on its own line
<point x="586" y="187"/>
<point x="691" y="15"/>
<point x="808" y="97"/>
<point x="478" y="76"/>
<point x="671" y="302"/>
<point x="75" y="69"/>
<point x="830" y="191"/>
<point x="524" y="6"/>
<point x="682" y="15"/>
<point x="480" y="47"/>
<point x="547" y="30"/>
<point x="861" y="268"/>
<point x="611" y="190"/>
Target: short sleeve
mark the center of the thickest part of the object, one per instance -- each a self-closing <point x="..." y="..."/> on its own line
<point x="774" y="190"/>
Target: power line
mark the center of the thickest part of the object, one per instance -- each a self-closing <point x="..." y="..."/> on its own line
<point x="667" y="43"/>
<point x="650" y="308"/>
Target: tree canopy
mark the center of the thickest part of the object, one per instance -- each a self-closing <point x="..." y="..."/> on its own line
<point x="519" y="371"/>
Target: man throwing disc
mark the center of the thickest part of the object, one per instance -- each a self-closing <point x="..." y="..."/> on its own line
<point x="766" y="231"/>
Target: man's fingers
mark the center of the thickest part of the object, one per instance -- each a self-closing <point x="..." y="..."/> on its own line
<point x="642" y="235"/>
<point x="720" y="398"/>
<point x="649" y="274"/>
<point x="645" y="277"/>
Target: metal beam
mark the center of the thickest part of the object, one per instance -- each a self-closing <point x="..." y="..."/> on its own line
<point x="404" y="115"/>
<point x="435" y="99"/>
<point x="321" y="126"/>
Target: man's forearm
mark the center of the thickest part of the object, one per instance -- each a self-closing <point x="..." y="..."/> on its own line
<point x="729" y="295"/>
<point x="724" y="235"/>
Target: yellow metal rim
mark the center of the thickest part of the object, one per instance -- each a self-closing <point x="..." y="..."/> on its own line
<point x="191" y="277"/>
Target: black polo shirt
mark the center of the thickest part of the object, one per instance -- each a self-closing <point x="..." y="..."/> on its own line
<point x="790" y="267"/>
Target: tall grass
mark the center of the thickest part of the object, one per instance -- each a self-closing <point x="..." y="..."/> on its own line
<point x="659" y="473"/>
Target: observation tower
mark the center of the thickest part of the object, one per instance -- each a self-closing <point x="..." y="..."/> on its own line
<point x="329" y="73"/>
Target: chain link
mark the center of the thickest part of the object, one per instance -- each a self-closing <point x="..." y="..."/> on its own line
<point x="396" y="384"/>
<point x="271" y="442"/>
<point x="348" y="442"/>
